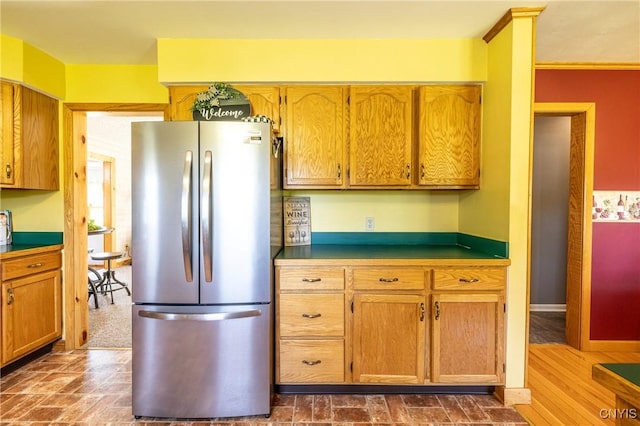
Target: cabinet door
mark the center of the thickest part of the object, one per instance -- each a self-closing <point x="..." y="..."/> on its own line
<point x="264" y="100"/>
<point x="449" y="136"/>
<point x="316" y="129"/>
<point x="31" y="313"/>
<point x="381" y="135"/>
<point x="388" y="338"/>
<point x="467" y="338"/>
<point x="7" y="167"/>
<point x="39" y="140"/>
<point x="181" y="99"/>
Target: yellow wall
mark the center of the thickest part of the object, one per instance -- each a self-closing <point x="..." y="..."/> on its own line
<point x="32" y="67"/>
<point x="114" y="84"/>
<point x="183" y="61"/>
<point x="393" y="211"/>
<point x="501" y="209"/>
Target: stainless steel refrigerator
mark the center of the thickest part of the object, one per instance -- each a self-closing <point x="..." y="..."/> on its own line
<point x="206" y="225"/>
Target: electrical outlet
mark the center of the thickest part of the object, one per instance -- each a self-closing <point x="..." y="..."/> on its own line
<point x="370" y="223"/>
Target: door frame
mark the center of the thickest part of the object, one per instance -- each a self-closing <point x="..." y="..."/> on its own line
<point x="74" y="129"/>
<point x="578" y="315"/>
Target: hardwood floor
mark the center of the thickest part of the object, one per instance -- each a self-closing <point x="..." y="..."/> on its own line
<point x="562" y="390"/>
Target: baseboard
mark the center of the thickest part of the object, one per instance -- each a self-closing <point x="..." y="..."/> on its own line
<point x="547" y="307"/>
<point x="513" y="396"/>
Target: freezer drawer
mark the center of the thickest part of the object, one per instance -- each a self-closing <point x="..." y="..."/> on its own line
<point x="201" y="361"/>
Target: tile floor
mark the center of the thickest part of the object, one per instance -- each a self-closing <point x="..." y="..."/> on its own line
<point x="93" y="387"/>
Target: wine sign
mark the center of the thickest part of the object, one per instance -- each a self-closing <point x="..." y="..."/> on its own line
<point x="297" y="221"/>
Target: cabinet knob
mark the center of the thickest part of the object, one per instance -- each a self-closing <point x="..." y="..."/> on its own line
<point x="422" y="171"/>
<point x="408" y="171"/>
<point x="437" y="310"/>
<point x="10" y="298"/>
<point x="339" y="171"/>
<point x="8" y="170"/>
<point x="422" y="312"/>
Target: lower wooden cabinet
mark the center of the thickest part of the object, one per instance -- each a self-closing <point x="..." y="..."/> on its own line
<point x="467" y="338"/>
<point x="31" y="303"/>
<point x="368" y="322"/>
<point x="388" y="338"/>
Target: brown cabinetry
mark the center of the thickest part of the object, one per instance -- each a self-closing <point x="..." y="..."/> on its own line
<point x="31" y="300"/>
<point x="381" y="135"/>
<point x="310" y="325"/>
<point x="29" y="132"/>
<point x="390" y="321"/>
<point x="264" y="100"/>
<point x="468" y="325"/>
<point x="315" y="136"/>
<point x="449" y="136"/>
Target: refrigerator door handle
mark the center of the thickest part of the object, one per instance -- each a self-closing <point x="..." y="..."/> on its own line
<point x="186" y="216"/>
<point x="214" y="316"/>
<point x="206" y="219"/>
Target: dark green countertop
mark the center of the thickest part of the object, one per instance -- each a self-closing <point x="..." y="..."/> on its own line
<point x="341" y="251"/>
<point x="397" y="245"/>
<point x="31" y="240"/>
<point x="629" y="371"/>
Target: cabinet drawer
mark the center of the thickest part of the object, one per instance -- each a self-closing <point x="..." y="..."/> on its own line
<point x="311" y="315"/>
<point x="311" y="361"/>
<point x="388" y="279"/>
<point x="28" y="265"/>
<point x="311" y="278"/>
<point x="469" y="279"/>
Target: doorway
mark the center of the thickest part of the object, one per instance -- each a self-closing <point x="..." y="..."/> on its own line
<point x="76" y="323"/>
<point x="578" y="232"/>
<point x="549" y="216"/>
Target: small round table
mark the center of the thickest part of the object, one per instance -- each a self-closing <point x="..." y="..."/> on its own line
<point x="109" y="277"/>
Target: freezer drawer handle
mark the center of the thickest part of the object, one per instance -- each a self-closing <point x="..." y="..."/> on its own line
<point x="186" y="217"/>
<point x="216" y="316"/>
<point x="316" y="362"/>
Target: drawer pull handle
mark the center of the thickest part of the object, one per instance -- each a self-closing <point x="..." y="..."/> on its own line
<point x="35" y="265"/>
<point x="316" y="362"/>
<point x="311" y="315"/>
<point x="437" y="310"/>
<point x="469" y="281"/>
<point x="10" y="299"/>
<point x="388" y="280"/>
<point x="422" y="312"/>
<point x="311" y="280"/>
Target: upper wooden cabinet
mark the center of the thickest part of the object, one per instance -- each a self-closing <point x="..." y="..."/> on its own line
<point x="449" y="136"/>
<point x="264" y="100"/>
<point x="381" y="135"/>
<point x="315" y="136"/>
<point x="29" y="131"/>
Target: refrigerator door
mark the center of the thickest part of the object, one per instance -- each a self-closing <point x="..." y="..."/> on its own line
<point x="165" y="203"/>
<point x="235" y="212"/>
<point x="201" y="361"/>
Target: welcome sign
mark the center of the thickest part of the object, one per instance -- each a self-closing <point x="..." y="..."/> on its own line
<point x="221" y="102"/>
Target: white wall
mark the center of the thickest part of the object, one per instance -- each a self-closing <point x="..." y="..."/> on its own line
<point x="109" y="134"/>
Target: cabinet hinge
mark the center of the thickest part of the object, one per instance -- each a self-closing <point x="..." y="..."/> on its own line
<point x="285" y="172"/>
<point x="348" y="99"/>
<point x="504" y="368"/>
<point x="480" y="100"/>
<point x="285" y="99"/>
<point x="348" y="173"/>
<point x="351" y="367"/>
<point x="352" y="306"/>
<point x="504" y="307"/>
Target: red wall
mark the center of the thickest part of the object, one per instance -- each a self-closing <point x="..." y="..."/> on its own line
<point x="615" y="274"/>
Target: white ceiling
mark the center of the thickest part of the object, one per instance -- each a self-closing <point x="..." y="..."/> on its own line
<point x="125" y="32"/>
